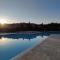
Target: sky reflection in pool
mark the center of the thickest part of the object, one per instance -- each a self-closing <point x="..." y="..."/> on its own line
<point x="13" y="44"/>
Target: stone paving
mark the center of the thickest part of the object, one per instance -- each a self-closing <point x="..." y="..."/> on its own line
<point x="47" y="50"/>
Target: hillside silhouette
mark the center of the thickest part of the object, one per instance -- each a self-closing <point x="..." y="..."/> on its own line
<point x="17" y="27"/>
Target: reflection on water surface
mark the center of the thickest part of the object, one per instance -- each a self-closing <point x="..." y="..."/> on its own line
<point x="13" y="44"/>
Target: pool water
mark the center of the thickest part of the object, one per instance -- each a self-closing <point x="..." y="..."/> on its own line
<point x="13" y="44"/>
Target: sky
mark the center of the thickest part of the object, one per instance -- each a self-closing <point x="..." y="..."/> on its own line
<point x="35" y="11"/>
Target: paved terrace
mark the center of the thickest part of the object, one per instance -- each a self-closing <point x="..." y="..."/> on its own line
<point x="47" y="50"/>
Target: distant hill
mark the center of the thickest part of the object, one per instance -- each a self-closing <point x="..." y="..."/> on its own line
<point x="29" y="27"/>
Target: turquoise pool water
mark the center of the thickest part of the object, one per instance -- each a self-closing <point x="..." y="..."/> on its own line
<point x="13" y="44"/>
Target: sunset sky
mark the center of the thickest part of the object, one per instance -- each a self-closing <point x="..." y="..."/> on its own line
<point x="35" y="11"/>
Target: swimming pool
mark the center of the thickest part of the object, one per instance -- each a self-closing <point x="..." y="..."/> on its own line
<point x="13" y="44"/>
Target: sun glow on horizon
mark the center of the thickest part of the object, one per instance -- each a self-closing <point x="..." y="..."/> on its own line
<point x="3" y="21"/>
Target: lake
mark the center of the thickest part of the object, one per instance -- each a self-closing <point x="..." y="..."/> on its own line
<point x="16" y="43"/>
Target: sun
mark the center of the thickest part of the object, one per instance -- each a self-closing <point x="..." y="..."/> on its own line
<point x="3" y="21"/>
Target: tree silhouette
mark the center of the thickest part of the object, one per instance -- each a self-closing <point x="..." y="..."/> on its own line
<point x="17" y="27"/>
